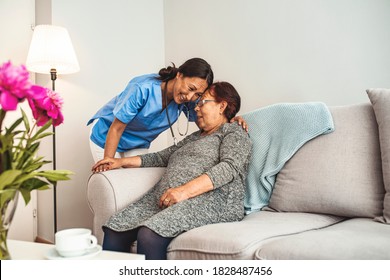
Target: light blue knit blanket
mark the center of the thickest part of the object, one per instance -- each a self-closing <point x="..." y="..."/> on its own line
<point x="277" y="132"/>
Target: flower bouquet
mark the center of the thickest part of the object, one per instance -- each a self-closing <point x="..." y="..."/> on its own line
<point x="20" y="166"/>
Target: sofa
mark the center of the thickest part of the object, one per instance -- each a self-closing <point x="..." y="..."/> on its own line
<point x="330" y="200"/>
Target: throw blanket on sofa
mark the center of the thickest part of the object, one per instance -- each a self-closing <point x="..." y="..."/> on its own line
<point x="277" y="132"/>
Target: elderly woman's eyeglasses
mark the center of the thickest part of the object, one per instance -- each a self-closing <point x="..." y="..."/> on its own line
<point x="200" y="103"/>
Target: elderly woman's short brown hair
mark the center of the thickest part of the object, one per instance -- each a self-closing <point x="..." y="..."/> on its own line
<point x="224" y="91"/>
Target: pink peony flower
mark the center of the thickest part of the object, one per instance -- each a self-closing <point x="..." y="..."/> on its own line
<point x="14" y="85"/>
<point x="45" y="105"/>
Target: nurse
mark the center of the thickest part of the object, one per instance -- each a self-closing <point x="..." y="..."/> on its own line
<point x="149" y="105"/>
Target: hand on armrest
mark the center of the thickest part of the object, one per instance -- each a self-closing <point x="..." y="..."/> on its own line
<point x="114" y="163"/>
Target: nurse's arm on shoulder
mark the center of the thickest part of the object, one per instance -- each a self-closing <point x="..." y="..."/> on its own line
<point x="113" y="136"/>
<point x="240" y="121"/>
<point x="114" y="163"/>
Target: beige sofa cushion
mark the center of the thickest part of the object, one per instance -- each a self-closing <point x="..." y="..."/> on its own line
<point x="380" y="100"/>
<point x="339" y="173"/>
<point x="355" y="239"/>
<point x="240" y="240"/>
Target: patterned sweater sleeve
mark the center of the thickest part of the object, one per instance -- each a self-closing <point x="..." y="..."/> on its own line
<point x="235" y="151"/>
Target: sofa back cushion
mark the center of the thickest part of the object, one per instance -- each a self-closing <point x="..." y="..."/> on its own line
<point x="339" y="173"/>
<point x="380" y="100"/>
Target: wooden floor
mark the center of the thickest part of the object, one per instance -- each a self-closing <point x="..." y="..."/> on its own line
<point x="42" y="240"/>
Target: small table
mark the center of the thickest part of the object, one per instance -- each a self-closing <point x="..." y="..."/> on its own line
<point x="24" y="250"/>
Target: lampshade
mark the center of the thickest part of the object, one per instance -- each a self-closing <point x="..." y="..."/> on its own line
<point x="51" y="48"/>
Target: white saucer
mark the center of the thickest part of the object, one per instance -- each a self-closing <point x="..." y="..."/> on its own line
<point x="52" y="254"/>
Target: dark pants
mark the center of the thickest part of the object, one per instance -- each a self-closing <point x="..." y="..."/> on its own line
<point x="149" y="243"/>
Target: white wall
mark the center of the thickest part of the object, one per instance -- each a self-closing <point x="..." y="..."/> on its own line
<point x="286" y="50"/>
<point x="14" y="43"/>
<point x="114" y="41"/>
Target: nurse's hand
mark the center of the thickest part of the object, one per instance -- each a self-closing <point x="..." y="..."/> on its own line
<point x="240" y="121"/>
<point x="106" y="164"/>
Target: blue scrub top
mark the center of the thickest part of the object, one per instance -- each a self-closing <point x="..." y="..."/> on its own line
<point x="139" y="106"/>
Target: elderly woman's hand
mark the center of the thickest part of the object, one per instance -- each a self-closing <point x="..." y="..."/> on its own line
<point x="240" y="121"/>
<point x="173" y="196"/>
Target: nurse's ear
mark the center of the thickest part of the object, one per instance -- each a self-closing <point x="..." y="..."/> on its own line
<point x="179" y="75"/>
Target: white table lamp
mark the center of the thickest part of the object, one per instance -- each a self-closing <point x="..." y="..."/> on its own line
<point x="51" y="52"/>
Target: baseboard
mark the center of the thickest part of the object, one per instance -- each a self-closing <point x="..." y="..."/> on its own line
<point x="42" y="240"/>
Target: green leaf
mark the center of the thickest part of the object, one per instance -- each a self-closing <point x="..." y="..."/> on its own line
<point x="56" y="175"/>
<point x="14" y="125"/>
<point x="6" y="160"/>
<point x="26" y="195"/>
<point x="27" y="155"/>
<point x="25" y="120"/>
<point x="6" y="196"/>
<point x="6" y="142"/>
<point x="34" y="184"/>
<point x="30" y="185"/>
<point x="32" y="166"/>
<point x="41" y="130"/>
<point x="24" y="177"/>
<point x="43" y="188"/>
<point x="43" y="135"/>
<point x="8" y="177"/>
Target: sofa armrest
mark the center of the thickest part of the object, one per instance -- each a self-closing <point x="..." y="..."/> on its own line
<point x="113" y="190"/>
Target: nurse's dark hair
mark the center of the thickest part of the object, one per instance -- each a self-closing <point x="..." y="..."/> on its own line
<point x="224" y="91"/>
<point x="194" y="67"/>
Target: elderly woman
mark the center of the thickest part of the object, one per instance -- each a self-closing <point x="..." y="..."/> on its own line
<point x="203" y="182"/>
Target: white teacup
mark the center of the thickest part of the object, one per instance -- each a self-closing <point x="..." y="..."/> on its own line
<point x="74" y="242"/>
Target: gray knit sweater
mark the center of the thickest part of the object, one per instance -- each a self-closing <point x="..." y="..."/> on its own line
<point x="223" y="156"/>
